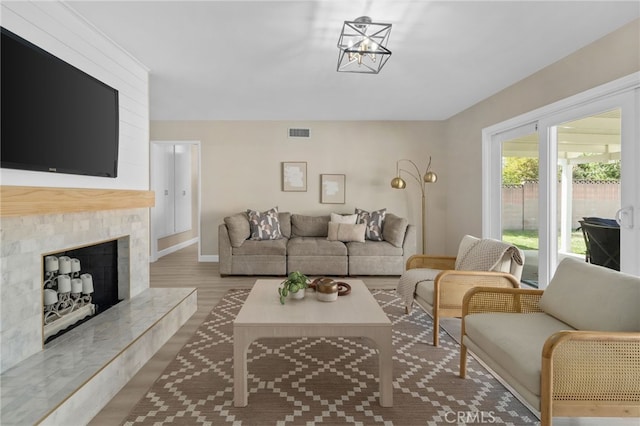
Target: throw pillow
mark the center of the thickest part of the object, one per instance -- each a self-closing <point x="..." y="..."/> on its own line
<point x="347" y="218"/>
<point x="374" y="221"/>
<point x="238" y="227"/>
<point x="394" y="229"/>
<point x="346" y="232"/>
<point x="265" y="225"/>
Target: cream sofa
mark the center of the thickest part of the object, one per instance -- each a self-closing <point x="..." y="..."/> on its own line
<point x="571" y="350"/>
<point x="305" y="247"/>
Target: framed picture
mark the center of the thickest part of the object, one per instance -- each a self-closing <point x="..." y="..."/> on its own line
<point x="332" y="189"/>
<point x="294" y="176"/>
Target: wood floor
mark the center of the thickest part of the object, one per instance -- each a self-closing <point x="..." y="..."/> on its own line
<point x="182" y="269"/>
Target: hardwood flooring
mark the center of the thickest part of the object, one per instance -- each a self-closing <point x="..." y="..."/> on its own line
<point x="182" y="269"/>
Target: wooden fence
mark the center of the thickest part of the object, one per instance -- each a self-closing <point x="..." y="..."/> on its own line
<point x="590" y="198"/>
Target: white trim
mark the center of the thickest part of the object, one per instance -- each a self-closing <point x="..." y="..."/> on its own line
<point x="208" y="258"/>
<point x="177" y="247"/>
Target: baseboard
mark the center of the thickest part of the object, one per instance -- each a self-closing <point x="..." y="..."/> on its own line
<point x="208" y="258"/>
<point x="177" y="247"/>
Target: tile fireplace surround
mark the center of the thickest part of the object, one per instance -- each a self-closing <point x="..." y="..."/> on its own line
<point x="46" y="227"/>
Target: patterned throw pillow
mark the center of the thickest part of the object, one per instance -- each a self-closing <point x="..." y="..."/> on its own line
<point x="265" y="225"/>
<point x="373" y="221"/>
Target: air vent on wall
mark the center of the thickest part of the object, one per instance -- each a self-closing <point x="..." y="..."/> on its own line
<point x="299" y="133"/>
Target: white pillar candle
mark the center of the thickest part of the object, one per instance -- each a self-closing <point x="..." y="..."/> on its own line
<point x="50" y="263"/>
<point x="75" y="265"/>
<point x="87" y="283"/>
<point x="64" y="264"/>
<point x="64" y="284"/>
<point x="76" y="285"/>
<point x="50" y="297"/>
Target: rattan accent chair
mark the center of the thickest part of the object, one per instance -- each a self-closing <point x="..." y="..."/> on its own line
<point x="582" y="372"/>
<point x="440" y="287"/>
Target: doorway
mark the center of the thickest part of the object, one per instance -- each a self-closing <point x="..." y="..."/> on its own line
<point x="175" y="179"/>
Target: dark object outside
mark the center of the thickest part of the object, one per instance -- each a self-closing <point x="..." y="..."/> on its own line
<point x="602" y="238"/>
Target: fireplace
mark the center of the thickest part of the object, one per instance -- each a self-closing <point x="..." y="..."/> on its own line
<point x="78" y="284"/>
<point x="107" y="350"/>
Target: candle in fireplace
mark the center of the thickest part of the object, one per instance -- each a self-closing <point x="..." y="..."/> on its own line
<point x="64" y="284"/>
<point x="64" y="264"/>
<point x="50" y="263"/>
<point x="87" y="283"/>
<point x="76" y="285"/>
<point x="75" y="266"/>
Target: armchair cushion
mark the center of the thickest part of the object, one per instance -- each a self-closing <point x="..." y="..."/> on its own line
<point x="412" y="279"/>
<point x="514" y="341"/>
<point x="591" y="297"/>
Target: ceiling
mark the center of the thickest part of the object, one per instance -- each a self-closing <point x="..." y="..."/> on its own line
<point x="276" y="60"/>
<point x="592" y="139"/>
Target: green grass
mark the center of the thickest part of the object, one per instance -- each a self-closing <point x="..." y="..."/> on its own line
<point x="528" y="240"/>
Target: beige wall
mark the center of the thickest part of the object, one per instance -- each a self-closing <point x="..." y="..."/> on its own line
<point x="241" y="166"/>
<point x="615" y="55"/>
<point x="241" y="160"/>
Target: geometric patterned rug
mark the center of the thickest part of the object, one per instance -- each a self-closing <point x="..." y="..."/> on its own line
<point x="309" y="381"/>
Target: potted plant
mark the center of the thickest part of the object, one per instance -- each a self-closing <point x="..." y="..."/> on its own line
<point x="294" y="285"/>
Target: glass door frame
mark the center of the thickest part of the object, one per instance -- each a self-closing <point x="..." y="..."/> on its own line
<point x="622" y="93"/>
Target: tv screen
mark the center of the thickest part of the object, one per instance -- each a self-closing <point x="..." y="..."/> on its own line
<point x="55" y="117"/>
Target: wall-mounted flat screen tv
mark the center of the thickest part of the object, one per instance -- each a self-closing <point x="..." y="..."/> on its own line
<point x="55" y="118"/>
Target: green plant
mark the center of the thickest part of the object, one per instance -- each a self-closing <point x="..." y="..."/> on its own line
<point x="295" y="282"/>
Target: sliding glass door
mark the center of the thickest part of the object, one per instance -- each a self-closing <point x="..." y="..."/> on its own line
<point x="577" y="160"/>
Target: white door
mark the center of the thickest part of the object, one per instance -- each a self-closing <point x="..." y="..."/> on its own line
<point x="182" y="187"/>
<point x="162" y="177"/>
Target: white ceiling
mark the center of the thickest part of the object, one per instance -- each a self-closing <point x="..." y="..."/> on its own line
<point x="276" y="60"/>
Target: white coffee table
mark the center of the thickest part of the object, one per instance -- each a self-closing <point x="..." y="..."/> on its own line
<point x="355" y="315"/>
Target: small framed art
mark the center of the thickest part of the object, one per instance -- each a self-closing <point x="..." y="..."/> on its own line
<point x="294" y="176"/>
<point x="332" y="188"/>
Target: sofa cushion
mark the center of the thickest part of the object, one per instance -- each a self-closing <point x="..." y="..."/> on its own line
<point x="373" y="248"/>
<point x="591" y="297"/>
<point x="238" y="228"/>
<point x="344" y="218"/>
<point x="265" y="225"/>
<point x="346" y="232"/>
<point x="309" y="226"/>
<point x="285" y="224"/>
<point x="514" y="341"/>
<point x="374" y="221"/>
<point x="262" y="248"/>
<point x="313" y="246"/>
<point x="394" y="229"/>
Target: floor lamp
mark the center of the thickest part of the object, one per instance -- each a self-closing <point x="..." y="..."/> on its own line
<point x="428" y="177"/>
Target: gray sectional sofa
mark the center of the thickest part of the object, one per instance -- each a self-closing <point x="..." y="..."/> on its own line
<point x="306" y="246"/>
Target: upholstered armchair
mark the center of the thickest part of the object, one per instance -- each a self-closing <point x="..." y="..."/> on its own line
<point x="438" y="283"/>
